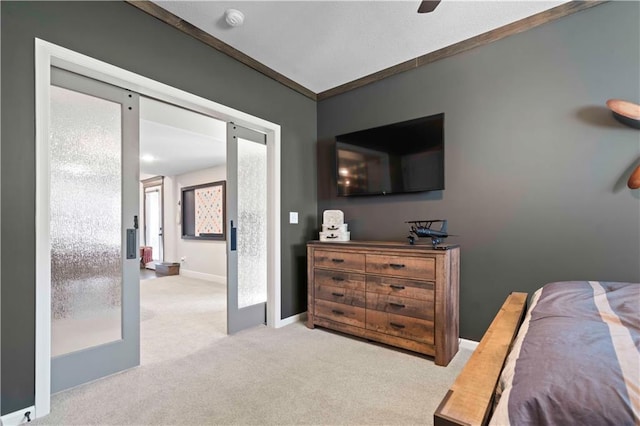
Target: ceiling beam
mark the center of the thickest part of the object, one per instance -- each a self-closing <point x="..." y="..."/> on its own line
<point x="195" y="32"/>
<point x="463" y="46"/>
<point x="471" y="43"/>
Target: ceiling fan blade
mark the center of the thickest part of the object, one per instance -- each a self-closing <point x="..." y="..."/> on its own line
<point x="428" y="6"/>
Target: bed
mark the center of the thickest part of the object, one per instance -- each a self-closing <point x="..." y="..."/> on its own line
<point x="572" y="358"/>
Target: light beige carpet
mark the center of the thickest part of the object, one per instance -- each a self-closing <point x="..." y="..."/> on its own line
<point x="179" y="316"/>
<point x="193" y="374"/>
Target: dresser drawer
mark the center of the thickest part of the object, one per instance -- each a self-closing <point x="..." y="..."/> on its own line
<point x="406" y="306"/>
<point x="339" y="312"/>
<point x="402" y="266"/>
<point x="339" y="260"/>
<point x="397" y="325"/>
<point x="422" y="290"/>
<point x="340" y="295"/>
<point x="339" y="279"/>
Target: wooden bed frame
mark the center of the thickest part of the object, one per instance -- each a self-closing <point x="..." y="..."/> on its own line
<point x="469" y="401"/>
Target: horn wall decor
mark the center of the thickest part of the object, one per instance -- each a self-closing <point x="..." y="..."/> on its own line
<point x="627" y="113"/>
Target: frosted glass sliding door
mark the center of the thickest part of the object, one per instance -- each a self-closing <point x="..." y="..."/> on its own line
<point x="252" y="222"/>
<point x="92" y="173"/>
<point x="247" y="240"/>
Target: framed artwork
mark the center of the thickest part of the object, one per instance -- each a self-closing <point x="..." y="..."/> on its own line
<point x="203" y="211"/>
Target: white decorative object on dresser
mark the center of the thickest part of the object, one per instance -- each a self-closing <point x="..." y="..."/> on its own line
<point x="333" y="226"/>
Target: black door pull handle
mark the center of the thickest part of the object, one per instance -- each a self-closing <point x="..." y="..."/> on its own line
<point x="234" y="240"/>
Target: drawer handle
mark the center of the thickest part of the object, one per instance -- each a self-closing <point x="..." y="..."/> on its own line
<point x="395" y="324"/>
<point x="332" y="228"/>
<point x="338" y="294"/>
<point x="396" y="305"/>
<point x="337" y="279"/>
<point x="397" y="265"/>
<point x="338" y="312"/>
<point x="331" y="237"/>
<point x="399" y="287"/>
<point x="337" y="260"/>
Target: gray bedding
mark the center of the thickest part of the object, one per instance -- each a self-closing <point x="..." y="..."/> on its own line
<point x="576" y="360"/>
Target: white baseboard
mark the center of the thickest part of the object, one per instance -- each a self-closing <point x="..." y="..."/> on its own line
<point x="468" y="344"/>
<point x="202" y="276"/>
<point x="18" y="417"/>
<point x="290" y="320"/>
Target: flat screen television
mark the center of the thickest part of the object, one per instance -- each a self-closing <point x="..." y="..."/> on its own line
<point x="393" y="159"/>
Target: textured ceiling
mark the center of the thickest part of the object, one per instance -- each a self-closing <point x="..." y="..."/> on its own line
<point x="323" y="44"/>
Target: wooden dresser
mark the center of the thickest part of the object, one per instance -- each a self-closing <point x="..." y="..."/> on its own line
<point x="393" y="293"/>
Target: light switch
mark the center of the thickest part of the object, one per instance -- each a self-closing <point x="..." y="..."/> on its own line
<point x="293" y="217"/>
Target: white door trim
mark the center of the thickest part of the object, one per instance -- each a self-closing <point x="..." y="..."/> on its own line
<point x="47" y="55"/>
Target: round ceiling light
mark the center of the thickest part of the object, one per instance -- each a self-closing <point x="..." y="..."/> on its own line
<point x="234" y="17"/>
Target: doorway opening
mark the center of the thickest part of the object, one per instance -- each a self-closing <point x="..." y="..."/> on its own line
<point x="152" y="220"/>
<point x="48" y="55"/>
<point x="183" y="282"/>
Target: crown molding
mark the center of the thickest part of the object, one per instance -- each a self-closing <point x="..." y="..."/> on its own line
<point x="195" y="32"/>
<point x="517" y="27"/>
<point x="468" y="44"/>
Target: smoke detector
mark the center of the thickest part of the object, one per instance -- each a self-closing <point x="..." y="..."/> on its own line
<point x="234" y="17"/>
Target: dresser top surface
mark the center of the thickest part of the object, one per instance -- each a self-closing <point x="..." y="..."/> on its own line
<point x="419" y="247"/>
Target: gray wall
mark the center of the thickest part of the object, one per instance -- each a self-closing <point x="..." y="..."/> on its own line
<point x="535" y="165"/>
<point x="124" y="36"/>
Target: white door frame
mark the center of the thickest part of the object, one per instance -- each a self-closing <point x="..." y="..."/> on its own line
<point x="47" y="55"/>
